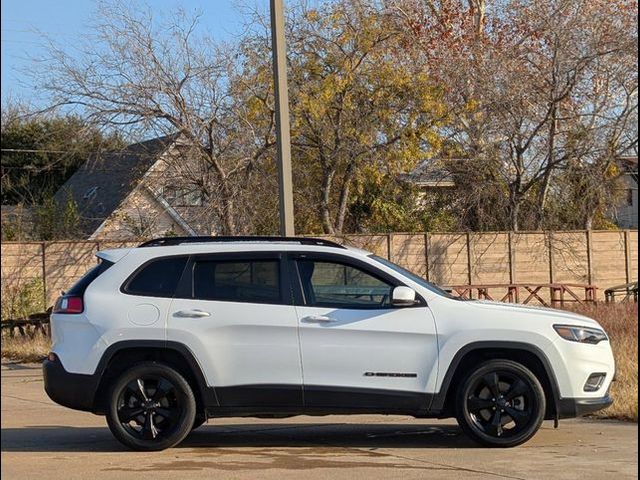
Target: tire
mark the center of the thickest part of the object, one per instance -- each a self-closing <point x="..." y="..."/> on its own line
<point x="151" y="407"/>
<point x="500" y="403"/>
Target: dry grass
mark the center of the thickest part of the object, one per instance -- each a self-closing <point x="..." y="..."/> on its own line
<point x="620" y="320"/>
<point x="25" y="349"/>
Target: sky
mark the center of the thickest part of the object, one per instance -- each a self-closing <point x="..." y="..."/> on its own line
<point x="24" y="21"/>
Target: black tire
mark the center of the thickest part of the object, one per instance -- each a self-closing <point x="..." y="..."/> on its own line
<point x="500" y="403"/>
<point x="151" y="407"/>
<point x="199" y="420"/>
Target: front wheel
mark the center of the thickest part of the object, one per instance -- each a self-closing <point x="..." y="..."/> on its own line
<point x="151" y="407"/>
<point x="500" y="404"/>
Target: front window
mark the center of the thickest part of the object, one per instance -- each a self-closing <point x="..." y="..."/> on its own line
<point x="338" y="285"/>
<point x="412" y="276"/>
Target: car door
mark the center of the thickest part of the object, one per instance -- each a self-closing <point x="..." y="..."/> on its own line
<point x="358" y="350"/>
<point x="235" y="312"/>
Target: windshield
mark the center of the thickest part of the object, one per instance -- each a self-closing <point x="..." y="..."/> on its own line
<point x="419" y="280"/>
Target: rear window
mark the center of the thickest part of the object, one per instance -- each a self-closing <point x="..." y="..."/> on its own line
<point x="254" y="281"/>
<point x="158" y="278"/>
<point x="81" y="285"/>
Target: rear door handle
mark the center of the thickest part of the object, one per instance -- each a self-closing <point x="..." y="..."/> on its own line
<point x="317" y="319"/>
<point x="194" y="313"/>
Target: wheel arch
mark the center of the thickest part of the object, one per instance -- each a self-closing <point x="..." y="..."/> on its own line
<point x="122" y="355"/>
<point x="471" y="354"/>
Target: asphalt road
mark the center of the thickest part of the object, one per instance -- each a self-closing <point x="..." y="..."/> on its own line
<point x="43" y="440"/>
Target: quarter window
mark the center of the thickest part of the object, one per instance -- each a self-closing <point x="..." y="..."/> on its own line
<point x="158" y="279"/>
<point x="338" y="285"/>
<point x="255" y="281"/>
<point x="81" y="285"/>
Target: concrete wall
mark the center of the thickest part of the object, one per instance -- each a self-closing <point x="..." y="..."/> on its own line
<point x="602" y="258"/>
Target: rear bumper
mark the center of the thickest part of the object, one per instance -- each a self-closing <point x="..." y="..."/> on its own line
<point x="576" y="407"/>
<point x="72" y="390"/>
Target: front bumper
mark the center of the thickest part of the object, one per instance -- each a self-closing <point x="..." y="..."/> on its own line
<point x="72" y="390"/>
<point x="576" y="407"/>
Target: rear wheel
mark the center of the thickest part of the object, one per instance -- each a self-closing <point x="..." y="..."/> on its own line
<point x="151" y="407"/>
<point x="500" y="404"/>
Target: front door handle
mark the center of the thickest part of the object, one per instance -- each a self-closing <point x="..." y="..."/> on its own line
<point x="317" y="319"/>
<point x="193" y="313"/>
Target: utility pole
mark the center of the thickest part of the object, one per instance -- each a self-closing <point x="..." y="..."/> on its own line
<point x="279" y="53"/>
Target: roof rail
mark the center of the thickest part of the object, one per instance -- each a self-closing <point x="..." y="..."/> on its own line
<point x="171" y="241"/>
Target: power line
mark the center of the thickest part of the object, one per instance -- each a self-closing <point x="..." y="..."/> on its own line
<point x="96" y="152"/>
<point x="34" y="150"/>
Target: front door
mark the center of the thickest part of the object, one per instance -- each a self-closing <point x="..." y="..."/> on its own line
<point x="358" y="350"/>
<point x="236" y="313"/>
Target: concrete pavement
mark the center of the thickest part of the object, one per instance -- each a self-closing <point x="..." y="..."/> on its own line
<point x="43" y="440"/>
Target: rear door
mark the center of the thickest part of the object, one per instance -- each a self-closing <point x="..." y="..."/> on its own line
<point x="359" y="351"/>
<point x="235" y="312"/>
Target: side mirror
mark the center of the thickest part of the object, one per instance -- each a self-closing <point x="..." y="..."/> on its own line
<point x="403" y="297"/>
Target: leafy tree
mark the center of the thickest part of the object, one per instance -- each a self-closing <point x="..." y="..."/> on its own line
<point x="40" y="152"/>
<point x="361" y="115"/>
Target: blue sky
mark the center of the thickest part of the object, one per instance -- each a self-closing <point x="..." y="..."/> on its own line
<point x="66" y="20"/>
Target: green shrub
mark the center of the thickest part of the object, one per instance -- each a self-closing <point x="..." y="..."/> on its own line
<point x="22" y="299"/>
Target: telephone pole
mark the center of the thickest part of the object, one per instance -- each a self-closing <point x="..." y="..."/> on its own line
<point x="283" y="136"/>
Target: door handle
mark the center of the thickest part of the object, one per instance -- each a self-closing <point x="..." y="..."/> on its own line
<point x="195" y="313"/>
<point x="317" y="319"/>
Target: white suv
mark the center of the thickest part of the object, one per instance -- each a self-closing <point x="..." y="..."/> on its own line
<point x="161" y="337"/>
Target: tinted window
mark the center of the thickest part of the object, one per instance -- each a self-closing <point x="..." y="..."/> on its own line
<point x="81" y="285"/>
<point x="158" y="278"/>
<point x="329" y="284"/>
<point x="256" y="281"/>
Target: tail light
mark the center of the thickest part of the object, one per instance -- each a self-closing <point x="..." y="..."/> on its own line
<point x="69" y="304"/>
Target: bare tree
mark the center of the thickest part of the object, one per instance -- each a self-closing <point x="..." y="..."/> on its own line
<point x="531" y="87"/>
<point x="139" y="73"/>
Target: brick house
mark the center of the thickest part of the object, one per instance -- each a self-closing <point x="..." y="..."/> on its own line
<point x="141" y="191"/>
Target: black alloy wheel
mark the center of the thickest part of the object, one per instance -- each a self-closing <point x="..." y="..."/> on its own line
<point x="500" y="404"/>
<point x="151" y="407"/>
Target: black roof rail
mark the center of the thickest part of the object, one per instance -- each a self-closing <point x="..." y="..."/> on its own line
<point x="171" y="241"/>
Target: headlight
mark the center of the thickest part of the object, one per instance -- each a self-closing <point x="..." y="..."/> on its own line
<point x="580" y="334"/>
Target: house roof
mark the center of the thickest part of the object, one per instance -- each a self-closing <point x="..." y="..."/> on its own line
<point x="430" y="173"/>
<point x="100" y="185"/>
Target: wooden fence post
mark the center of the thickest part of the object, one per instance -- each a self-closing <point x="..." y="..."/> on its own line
<point x="44" y="276"/>
<point x="512" y="262"/>
<point x="426" y="255"/>
<point x="551" y="266"/>
<point x="589" y="257"/>
<point x="627" y="256"/>
<point x="469" y="264"/>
